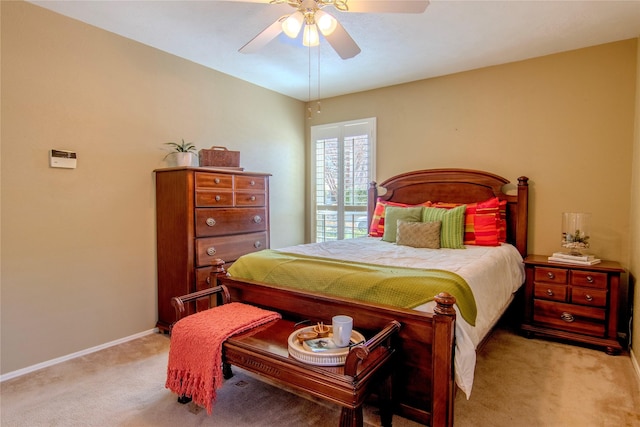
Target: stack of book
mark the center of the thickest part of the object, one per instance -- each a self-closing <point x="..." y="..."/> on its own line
<point x="568" y="258"/>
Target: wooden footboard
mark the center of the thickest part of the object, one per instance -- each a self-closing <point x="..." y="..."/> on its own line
<point x="423" y="384"/>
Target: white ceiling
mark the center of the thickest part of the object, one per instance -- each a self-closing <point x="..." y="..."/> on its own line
<point x="451" y="36"/>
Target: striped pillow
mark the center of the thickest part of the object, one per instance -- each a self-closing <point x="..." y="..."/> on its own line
<point x="376" y="229"/>
<point x="452" y="228"/>
<point x="483" y="224"/>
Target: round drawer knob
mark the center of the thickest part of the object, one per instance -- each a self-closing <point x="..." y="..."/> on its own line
<point x="588" y="297"/>
<point x="590" y="279"/>
<point x="217" y="198"/>
<point x="211" y="251"/>
<point x="252" y="182"/>
<point x="252" y="198"/>
<point x="257" y="219"/>
<point x="550" y="275"/>
<point x="549" y="292"/>
<point x="211" y="222"/>
<point x="257" y="244"/>
<point x="567" y="317"/>
<point x="217" y="180"/>
<point x="208" y="280"/>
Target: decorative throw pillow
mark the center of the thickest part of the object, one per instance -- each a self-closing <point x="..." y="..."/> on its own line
<point x="452" y="228"/>
<point x="419" y="234"/>
<point x="394" y="213"/>
<point x="376" y="228"/>
<point x="502" y="235"/>
<point x="481" y="222"/>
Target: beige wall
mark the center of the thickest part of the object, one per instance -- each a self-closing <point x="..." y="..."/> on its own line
<point x="634" y="265"/>
<point x="566" y="121"/>
<point x="78" y="246"/>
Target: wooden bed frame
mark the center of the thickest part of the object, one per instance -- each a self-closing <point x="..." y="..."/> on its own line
<point x="423" y="388"/>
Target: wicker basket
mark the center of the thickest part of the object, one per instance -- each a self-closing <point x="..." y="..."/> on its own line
<point x="219" y="156"/>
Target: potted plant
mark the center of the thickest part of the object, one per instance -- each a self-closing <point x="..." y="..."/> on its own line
<point x="183" y="154"/>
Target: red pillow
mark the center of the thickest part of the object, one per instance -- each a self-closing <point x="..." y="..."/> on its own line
<point x="377" y="222"/>
<point x="481" y="221"/>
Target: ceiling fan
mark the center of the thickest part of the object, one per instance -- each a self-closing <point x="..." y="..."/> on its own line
<point x="310" y="17"/>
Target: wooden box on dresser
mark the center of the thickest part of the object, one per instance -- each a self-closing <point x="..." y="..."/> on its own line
<point x="573" y="302"/>
<point x="204" y="213"/>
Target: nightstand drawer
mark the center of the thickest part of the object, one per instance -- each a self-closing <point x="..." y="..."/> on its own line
<point x="550" y="291"/>
<point x="589" y="278"/>
<point x="589" y="296"/>
<point x="551" y="275"/>
<point x="567" y="317"/>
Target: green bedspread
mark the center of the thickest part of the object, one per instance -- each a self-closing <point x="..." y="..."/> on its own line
<point x="396" y="286"/>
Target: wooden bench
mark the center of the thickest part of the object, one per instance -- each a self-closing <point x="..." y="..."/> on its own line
<point x="264" y="351"/>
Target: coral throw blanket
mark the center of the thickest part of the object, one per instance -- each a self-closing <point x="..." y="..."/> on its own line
<point x="195" y="354"/>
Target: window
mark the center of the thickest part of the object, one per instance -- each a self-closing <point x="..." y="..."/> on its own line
<point x="342" y="166"/>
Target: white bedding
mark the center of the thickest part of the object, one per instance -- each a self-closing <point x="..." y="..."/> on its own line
<point x="493" y="273"/>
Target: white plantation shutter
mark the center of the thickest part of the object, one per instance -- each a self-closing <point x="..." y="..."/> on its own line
<point x="343" y="164"/>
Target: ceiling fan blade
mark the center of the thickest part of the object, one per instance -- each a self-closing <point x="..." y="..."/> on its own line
<point x="342" y="42"/>
<point x="261" y="40"/>
<point x="389" y="6"/>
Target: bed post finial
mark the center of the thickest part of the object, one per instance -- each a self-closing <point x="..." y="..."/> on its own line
<point x="372" y="198"/>
<point x="217" y="270"/>
<point x="444" y="304"/>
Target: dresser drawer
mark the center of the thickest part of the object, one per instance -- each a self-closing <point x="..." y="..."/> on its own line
<point x="568" y="317"/>
<point x="589" y="296"/>
<point x="218" y="222"/>
<point x="550" y="291"/>
<point x="213" y="180"/>
<point x="251" y="183"/>
<point x="550" y="275"/>
<point x="589" y="278"/>
<point x="228" y="248"/>
<point x="245" y="198"/>
<point x="215" y="198"/>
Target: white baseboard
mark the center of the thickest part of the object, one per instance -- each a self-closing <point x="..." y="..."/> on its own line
<point x="80" y="353"/>
<point x="635" y="363"/>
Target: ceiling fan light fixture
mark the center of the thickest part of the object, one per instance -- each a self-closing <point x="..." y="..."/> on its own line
<point x="292" y="25"/>
<point x="310" y="36"/>
<point x="326" y="23"/>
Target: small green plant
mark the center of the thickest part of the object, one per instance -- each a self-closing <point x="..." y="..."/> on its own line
<point x="185" y="147"/>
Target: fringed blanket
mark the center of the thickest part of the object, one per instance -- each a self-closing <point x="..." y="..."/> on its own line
<point x="396" y="286"/>
<point x="195" y="354"/>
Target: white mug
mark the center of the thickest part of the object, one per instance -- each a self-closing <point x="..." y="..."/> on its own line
<point x="342" y="326"/>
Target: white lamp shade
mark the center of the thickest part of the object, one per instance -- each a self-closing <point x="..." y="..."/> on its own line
<point x="325" y="22"/>
<point x="291" y="26"/>
<point x="311" y="36"/>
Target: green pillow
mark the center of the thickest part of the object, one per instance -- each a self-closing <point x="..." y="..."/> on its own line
<point x="452" y="229"/>
<point x="391" y="216"/>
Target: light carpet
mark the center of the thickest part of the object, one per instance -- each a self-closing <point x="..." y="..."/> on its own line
<point x="519" y="382"/>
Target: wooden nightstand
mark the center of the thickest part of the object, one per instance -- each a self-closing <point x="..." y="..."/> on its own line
<point x="573" y="302"/>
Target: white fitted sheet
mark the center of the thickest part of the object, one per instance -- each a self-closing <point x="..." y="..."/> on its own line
<point x="493" y="273"/>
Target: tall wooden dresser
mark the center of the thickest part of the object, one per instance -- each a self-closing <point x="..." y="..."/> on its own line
<point x="202" y="214"/>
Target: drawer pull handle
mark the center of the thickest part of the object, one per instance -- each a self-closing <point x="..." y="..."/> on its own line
<point x="252" y="198"/>
<point x="211" y="222"/>
<point x="257" y="244"/>
<point x="549" y="292"/>
<point x="217" y="180"/>
<point x="550" y="275"/>
<point x="211" y="251"/>
<point x="567" y="317"/>
<point x="588" y="297"/>
<point x="217" y="198"/>
<point x="257" y="219"/>
<point x="590" y="279"/>
<point x="252" y="182"/>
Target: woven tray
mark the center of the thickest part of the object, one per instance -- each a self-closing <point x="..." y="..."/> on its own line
<point x="334" y="357"/>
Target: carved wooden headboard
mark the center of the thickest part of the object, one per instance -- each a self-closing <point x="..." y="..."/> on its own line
<point x="459" y="186"/>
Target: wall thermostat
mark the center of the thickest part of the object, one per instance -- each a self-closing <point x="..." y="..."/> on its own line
<point x="62" y="159"/>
